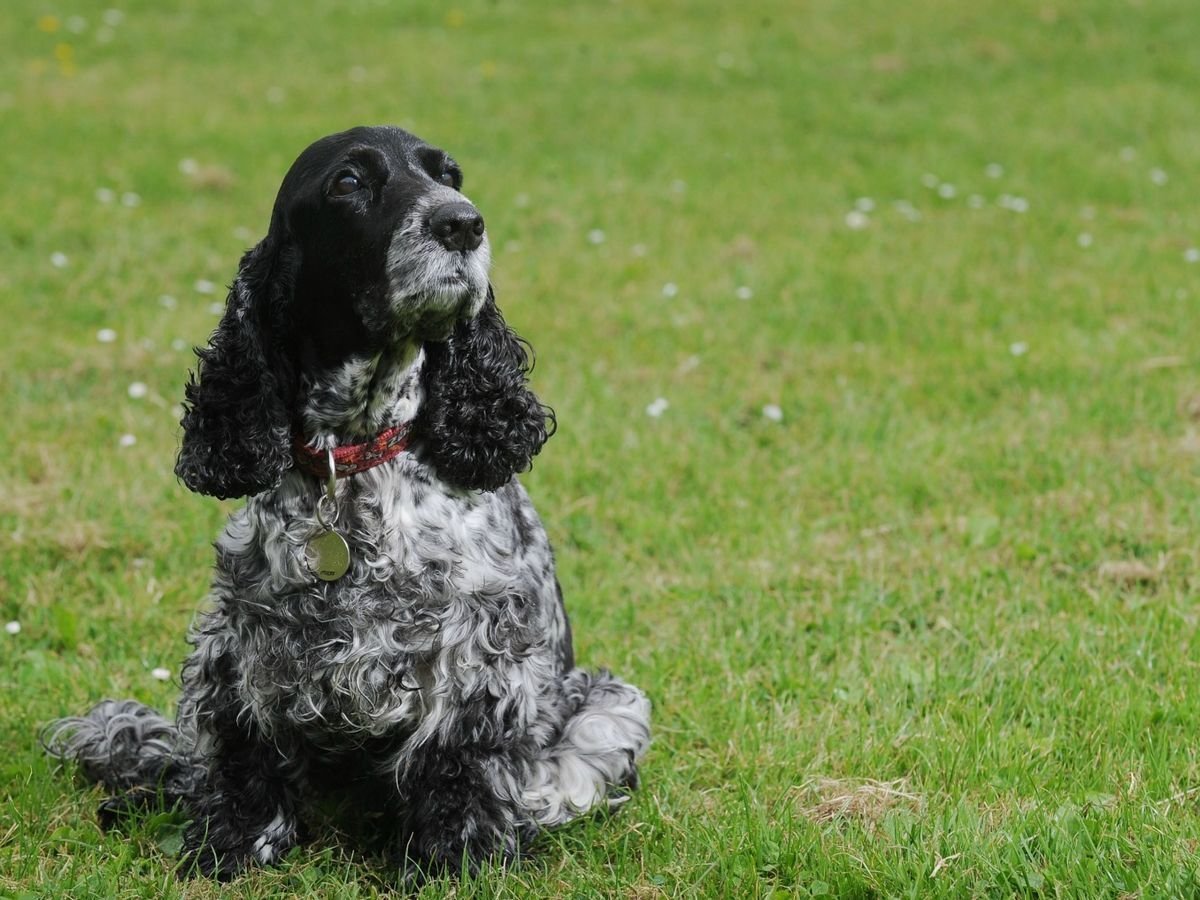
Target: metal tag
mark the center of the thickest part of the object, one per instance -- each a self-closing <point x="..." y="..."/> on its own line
<point x="328" y="556"/>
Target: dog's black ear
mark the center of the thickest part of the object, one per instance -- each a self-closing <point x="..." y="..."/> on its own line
<point x="480" y="424"/>
<point x="238" y="403"/>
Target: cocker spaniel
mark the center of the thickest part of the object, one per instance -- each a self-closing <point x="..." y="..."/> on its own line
<point x="385" y="627"/>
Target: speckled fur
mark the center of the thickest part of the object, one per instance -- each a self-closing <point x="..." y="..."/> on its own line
<point x="436" y="679"/>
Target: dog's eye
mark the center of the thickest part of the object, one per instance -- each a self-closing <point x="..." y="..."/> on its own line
<point x="450" y="178"/>
<point x="345" y="184"/>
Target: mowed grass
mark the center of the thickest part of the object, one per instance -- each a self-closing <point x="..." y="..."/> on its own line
<point x="908" y="559"/>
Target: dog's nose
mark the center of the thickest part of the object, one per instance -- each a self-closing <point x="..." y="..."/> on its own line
<point x="457" y="226"/>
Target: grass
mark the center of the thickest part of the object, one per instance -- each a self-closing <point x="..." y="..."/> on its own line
<point x="933" y="634"/>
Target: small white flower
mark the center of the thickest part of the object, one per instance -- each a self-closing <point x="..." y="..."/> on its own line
<point x="857" y="221"/>
<point x="167" y="301"/>
<point x="204" y="286"/>
<point x="639" y="250"/>
<point x="105" y="195"/>
<point x="113" y="17"/>
<point x="1127" y="154"/>
<point x="946" y="191"/>
<point x="907" y="210"/>
<point x="178" y="345"/>
<point x="512" y="246"/>
<point x="13" y="627"/>
<point x="276" y="94"/>
<point x="691" y="363"/>
<point x="1018" y="348"/>
<point x="1019" y="205"/>
<point x="976" y="201"/>
<point x="216" y="309"/>
<point x="596" y="236"/>
<point x="930" y="180"/>
<point x="670" y="289"/>
<point x="176" y="412"/>
<point x="138" y="390"/>
<point x="864" y="204"/>
<point x="189" y="166"/>
<point x="725" y="60"/>
<point x="130" y="199"/>
<point x="678" y="185"/>
<point x="242" y="233"/>
<point x="858" y="347"/>
<point x="1005" y="201"/>
<point x="76" y="24"/>
<point x="1084" y="240"/>
<point x="106" y="335"/>
<point x="993" y="170"/>
<point x="1159" y="177"/>
<point x="745" y="292"/>
<point x="1191" y="255"/>
<point x="127" y="440"/>
<point x="657" y="407"/>
<point x="358" y="73"/>
<point x="160" y="673"/>
<point x="59" y="260"/>
<point x="1087" y="212"/>
<point x="521" y="200"/>
<point x="772" y="412"/>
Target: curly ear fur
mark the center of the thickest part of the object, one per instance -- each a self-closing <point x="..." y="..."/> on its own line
<point x="237" y="411"/>
<point x="480" y="423"/>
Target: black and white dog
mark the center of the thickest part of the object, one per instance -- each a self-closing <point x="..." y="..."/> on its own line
<point x="386" y="628"/>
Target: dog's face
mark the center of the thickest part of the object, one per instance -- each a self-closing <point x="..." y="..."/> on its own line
<point x="389" y="247"/>
<point x="371" y="248"/>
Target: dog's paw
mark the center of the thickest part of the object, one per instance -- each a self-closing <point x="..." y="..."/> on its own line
<point x="212" y="851"/>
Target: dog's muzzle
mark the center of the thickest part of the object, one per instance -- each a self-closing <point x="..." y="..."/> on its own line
<point x="437" y="265"/>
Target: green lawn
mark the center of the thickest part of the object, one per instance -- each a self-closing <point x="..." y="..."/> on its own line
<point x="907" y="560"/>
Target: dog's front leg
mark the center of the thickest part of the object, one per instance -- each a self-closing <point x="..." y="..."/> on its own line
<point x="459" y="814"/>
<point x="246" y="816"/>
<point x="247" y="812"/>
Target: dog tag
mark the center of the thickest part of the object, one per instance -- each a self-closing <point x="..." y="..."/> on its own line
<point x="328" y="556"/>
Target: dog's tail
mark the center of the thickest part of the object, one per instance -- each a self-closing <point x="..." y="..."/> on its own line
<point x="125" y="746"/>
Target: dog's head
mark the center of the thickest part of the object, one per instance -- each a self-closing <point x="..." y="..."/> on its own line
<point x="388" y="246"/>
<point x="371" y="245"/>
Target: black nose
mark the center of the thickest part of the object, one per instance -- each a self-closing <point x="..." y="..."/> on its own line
<point x="457" y="226"/>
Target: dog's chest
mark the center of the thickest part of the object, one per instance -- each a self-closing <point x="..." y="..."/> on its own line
<point x="446" y="596"/>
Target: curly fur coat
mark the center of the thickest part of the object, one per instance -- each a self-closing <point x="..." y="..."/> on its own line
<point x="432" y="688"/>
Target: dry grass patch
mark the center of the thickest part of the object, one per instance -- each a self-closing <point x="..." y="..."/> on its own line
<point x="1130" y="572"/>
<point x="863" y="800"/>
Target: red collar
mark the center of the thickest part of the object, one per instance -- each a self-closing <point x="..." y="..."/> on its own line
<point x="350" y="459"/>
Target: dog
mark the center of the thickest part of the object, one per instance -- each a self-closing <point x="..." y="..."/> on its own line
<point x="385" y="632"/>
